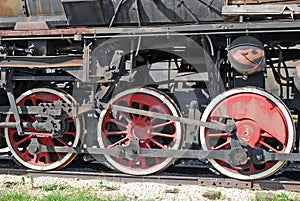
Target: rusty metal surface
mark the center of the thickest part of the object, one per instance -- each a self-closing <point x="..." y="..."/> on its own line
<point x="244" y="2"/>
<point x="8" y="23"/>
<point x="227" y="183"/>
<point x="42" y="62"/>
<point x="278" y="185"/>
<point x="44" y="7"/>
<point x="9" y="8"/>
<point x="52" y="32"/>
<point x="25" y="26"/>
<point x="102" y="32"/>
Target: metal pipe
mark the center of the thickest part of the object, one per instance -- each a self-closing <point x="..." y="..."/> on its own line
<point x="14" y="125"/>
<point x="153" y="34"/>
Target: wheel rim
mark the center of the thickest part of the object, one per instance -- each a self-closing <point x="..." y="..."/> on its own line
<point x="18" y="144"/>
<point x="119" y="128"/>
<point x="262" y="121"/>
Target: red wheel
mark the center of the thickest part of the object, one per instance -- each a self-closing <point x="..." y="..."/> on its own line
<point x="18" y="144"/>
<point x="119" y="128"/>
<point x="262" y="121"/>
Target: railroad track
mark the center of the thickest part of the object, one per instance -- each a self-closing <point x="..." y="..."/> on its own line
<point x="170" y="176"/>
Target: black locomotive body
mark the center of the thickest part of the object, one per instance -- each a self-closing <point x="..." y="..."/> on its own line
<point x="139" y="84"/>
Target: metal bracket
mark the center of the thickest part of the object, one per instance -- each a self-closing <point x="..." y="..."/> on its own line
<point x="3" y="78"/>
<point x="56" y="108"/>
<point x="34" y="147"/>
<point x="289" y="9"/>
<point x="192" y="131"/>
<point x="12" y="101"/>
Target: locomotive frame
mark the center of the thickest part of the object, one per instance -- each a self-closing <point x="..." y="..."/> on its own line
<point x="83" y="83"/>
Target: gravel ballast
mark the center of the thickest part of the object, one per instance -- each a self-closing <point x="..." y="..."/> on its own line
<point x="134" y="191"/>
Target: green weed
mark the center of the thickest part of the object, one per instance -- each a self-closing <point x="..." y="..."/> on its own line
<point x="15" y="196"/>
<point x="31" y="181"/>
<point x="56" y="196"/>
<point x="52" y="187"/>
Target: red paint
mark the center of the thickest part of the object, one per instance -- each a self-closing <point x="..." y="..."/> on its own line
<point x="151" y="132"/>
<point x="260" y="124"/>
<point x="20" y="143"/>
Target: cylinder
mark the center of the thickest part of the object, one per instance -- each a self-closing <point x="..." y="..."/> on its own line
<point x="247" y="55"/>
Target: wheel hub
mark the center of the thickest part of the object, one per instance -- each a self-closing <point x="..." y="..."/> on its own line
<point x="141" y="132"/>
<point x="150" y="132"/>
<point x="248" y="132"/>
<point x="262" y="122"/>
<point x="25" y="148"/>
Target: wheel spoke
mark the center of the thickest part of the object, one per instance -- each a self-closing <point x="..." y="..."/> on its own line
<point x="35" y="159"/>
<point x="268" y="146"/>
<point x="150" y="132"/>
<point x="152" y="120"/>
<point x="72" y="133"/>
<point x="261" y="120"/>
<point x="125" y="117"/>
<point x="147" y="145"/>
<point x="63" y="142"/>
<point x="163" y="135"/>
<point x="157" y="143"/>
<point x="46" y="160"/>
<point x="32" y="117"/>
<point x="224" y="145"/>
<point x="25" y="154"/>
<point x="60" y="155"/>
<point x="118" y="143"/>
<point x="107" y="133"/>
<point x="269" y="135"/>
<point x="163" y="125"/>
<point x="135" y="117"/>
<point x="23" y="140"/>
<point x="214" y="135"/>
<point x="117" y="123"/>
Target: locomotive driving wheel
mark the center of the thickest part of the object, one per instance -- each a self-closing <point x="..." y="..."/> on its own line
<point x="262" y="121"/>
<point x="118" y="128"/>
<point x="19" y="144"/>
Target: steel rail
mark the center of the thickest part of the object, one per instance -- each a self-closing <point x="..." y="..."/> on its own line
<point x="161" y="178"/>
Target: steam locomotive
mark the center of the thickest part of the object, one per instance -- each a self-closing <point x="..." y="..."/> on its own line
<point x="138" y="85"/>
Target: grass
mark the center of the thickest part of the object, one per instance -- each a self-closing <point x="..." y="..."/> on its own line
<point x="278" y="197"/>
<point x="53" y="187"/>
<point x="15" y="196"/>
<point x="55" y="196"/>
<point x="27" y="189"/>
<point x="79" y="196"/>
<point x="51" y="192"/>
<point x="219" y="196"/>
<point x="283" y="197"/>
